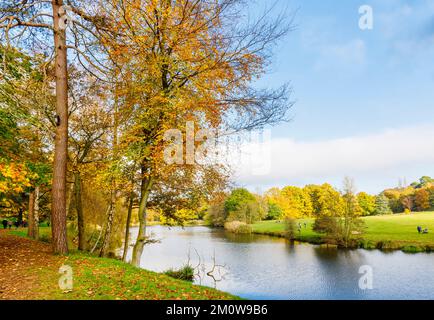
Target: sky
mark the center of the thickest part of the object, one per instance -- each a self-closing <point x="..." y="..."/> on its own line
<point x="364" y="98"/>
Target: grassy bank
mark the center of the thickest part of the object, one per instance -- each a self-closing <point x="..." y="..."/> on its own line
<point x="109" y="279"/>
<point x="392" y="232"/>
<point x="100" y="278"/>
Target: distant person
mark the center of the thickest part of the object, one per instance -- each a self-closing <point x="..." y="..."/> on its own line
<point x="10" y="224"/>
<point x="16" y="224"/>
<point x="5" y="224"/>
<point x="305" y="225"/>
<point x="419" y="229"/>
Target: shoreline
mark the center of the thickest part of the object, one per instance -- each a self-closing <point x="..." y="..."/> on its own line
<point x="406" y="246"/>
<point x="385" y="246"/>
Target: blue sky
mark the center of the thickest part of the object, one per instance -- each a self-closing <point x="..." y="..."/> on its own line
<point x="354" y="86"/>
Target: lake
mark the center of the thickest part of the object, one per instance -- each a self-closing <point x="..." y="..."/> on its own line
<point x="264" y="267"/>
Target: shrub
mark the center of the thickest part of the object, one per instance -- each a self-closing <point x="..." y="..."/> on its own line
<point x="274" y="212"/>
<point x="45" y="237"/>
<point x="238" y="227"/>
<point x="185" y="273"/>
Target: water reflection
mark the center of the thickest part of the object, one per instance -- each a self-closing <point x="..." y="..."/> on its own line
<point x="262" y="267"/>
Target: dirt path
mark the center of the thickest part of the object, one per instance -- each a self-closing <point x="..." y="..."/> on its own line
<point x="21" y="260"/>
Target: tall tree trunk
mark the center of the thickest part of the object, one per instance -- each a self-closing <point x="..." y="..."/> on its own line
<point x="127" y="227"/>
<point x="69" y="199"/>
<point x="141" y="236"/>
<point x="58" y="208"/>
<point x="31" y="216"/>
<point x="79" y="210"/>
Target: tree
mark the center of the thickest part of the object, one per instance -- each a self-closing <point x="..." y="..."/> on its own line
<point x="41" y="177"/>
<point x="366" y="203"/>
<point x="424" y="182"/>
<point x="407" y="199"/>
<point x="89" y="124"/>
<point x="241" y="205"/>
<point x="299" y="202"/>
<point x="382" y="205"/>
<point x="431" y="197"/>
<point x="352" y="224"/>
<point x="274" y="212"/>
<point x="276" y="203"/>
<point x="25" y="134"/>
<point x="395" y="200"/>
<point x="216" y="214"/>
<point x="326" y="201"/>
<point x="190" y="61"/>
<point x="34" y="21"/>
<point x="422" y="200"/>
<point x="342" y="226"/>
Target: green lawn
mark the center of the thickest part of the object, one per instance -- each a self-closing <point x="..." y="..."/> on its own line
<point x="387" y="232"/>
<point x="104" y="278"/>
<point x="110" y="279"/>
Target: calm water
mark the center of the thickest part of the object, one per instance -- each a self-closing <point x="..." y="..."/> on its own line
<point x="262" y="267"/>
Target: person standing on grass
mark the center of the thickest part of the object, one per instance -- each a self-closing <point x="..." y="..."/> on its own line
<point x="419" y="229"/>
<point x="10" y="224"/>
<point x="5" y="223"/>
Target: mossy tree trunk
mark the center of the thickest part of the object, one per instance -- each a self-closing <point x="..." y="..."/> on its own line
<point x="146" y="187"/>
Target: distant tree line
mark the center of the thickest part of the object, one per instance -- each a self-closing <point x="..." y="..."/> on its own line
<point x="319" y="201"/>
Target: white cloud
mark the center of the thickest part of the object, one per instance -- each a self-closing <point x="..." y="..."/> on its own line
<point x="394" y="151"/>
<point x="350" y="53"/>
<point x="319" y="36"/>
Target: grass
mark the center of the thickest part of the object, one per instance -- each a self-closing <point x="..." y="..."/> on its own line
<point x="184" y="273"/>
<point x="277" y="228"/>
<point x="44" y="233"/>
<point x="97" y="278"/>
<point x="382" y="232"/>
<point x="110" y="279"/>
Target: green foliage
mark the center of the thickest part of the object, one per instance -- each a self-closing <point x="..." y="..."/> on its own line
<point x="241" y="205"/>
<point x="341" y="225"/>
<point x="394" y="200"/>
<point x="274" y="212"/>
<point x="424" y="182"/>
<point x="382" y="205"/>
<point x="184" y="273"/>
<point x="216" y="215"/>
<point x="237" y="199"/>
<point x="42" y="172"/>
<point x="8" y="133"/>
